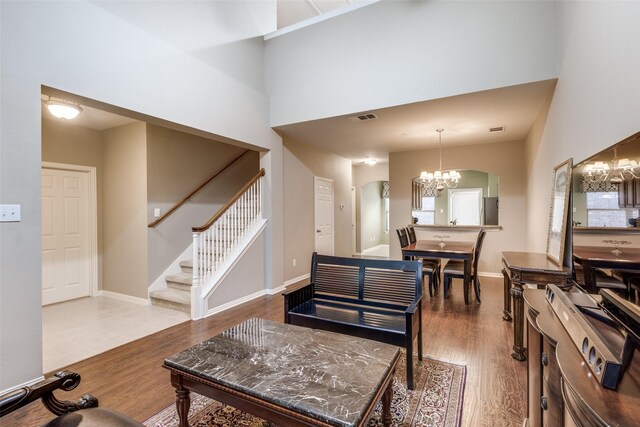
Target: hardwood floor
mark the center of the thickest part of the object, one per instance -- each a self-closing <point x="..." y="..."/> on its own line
<point x="130" y="378"/>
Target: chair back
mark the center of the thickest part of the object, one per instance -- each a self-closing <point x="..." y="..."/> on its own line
<point x="477" y="249"/>
<point x="402" y="235"/>
<point x="411" y="233"/>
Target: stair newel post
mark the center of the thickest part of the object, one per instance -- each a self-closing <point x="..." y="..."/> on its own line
<point x="196" y="305"/>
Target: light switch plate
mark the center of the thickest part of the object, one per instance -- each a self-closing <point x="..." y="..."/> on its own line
<point x="9" y="213"/>
<point x="156" y="213"/>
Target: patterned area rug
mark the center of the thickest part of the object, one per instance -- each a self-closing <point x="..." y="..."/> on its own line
<point x="435" y="402"/>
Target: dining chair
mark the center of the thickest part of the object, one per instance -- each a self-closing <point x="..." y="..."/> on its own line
<point x="411" y="234"/>
<point x="430" y="268"/>
<point x="455" y="269"/>
<point x="615" y="281"/>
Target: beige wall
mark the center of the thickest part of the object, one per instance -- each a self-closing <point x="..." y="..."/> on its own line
<point x="75" y="145"/>
<point x="301" y="163"/>
<point x="177" y="163"/>
<point x="363" y="174"/>
<point x="505" y="159"/>
<point x="125" y="210"/>
<point x="371" y="218"/>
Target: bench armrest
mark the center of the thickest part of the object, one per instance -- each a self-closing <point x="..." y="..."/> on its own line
<point x="63" y="380"/>
<point x="294" y="296"/>
<point x="413" y="306"/>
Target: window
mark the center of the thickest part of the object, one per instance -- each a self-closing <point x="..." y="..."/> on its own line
<point x="427" y="215"/>
<point x="603" y="210"/>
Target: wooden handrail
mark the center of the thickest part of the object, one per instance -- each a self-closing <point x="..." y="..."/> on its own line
<point x="231" y="201"/>
<point x="183" y="201"/>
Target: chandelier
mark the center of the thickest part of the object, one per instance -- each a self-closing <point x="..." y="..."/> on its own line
<point x="439" y="180"/>
<point x="621" y="169"/>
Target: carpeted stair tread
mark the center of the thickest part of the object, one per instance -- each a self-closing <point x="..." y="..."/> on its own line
<point x="174" y="295"/>
<point x="184" y="278"/>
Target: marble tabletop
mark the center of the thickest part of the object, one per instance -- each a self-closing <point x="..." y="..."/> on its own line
<point x="331" y="377"/>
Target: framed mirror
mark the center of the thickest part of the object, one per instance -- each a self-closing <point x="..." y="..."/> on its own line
<point x="561" y="185"/>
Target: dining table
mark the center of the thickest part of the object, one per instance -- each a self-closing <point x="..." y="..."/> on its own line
<point x="445" y="249"/>
<point x="593" y="257"/>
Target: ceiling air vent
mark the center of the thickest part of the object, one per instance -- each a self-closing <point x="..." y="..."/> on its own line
<point x="363" y="117"/>
<point x="497" y="129"/>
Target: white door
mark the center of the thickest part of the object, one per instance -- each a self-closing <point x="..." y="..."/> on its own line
<point x="324" y="215"/>
<point x="465" y="205"/>
<point x="65" y="235"/>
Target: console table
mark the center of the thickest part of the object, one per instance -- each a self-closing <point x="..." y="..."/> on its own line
<point x="289" y="375"/>
<point x="520" y="268"/>
<point x="561" y="389"/>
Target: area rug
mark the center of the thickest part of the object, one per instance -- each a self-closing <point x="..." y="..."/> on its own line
<point x="435" y="402"/>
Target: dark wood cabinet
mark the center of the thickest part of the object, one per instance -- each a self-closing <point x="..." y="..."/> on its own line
<point x="629" y="193"/>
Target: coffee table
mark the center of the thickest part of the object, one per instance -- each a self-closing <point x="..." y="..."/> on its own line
<point x="287" y="374"/>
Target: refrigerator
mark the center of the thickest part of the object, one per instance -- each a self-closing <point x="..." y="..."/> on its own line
<point x="490" y="206"/>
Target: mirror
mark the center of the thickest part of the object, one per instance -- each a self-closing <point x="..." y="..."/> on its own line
<point x="558" y="213"/>
<point x="473" y="202"/>
<point x="599" y="202"/>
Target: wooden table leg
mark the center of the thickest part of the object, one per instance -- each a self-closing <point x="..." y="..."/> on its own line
<point x="518" y="322"/>
<point x="506" y="313"/>
<point x="387" y="398"/>
<point x="183" y="402"/>
<point x="466" y="283"/>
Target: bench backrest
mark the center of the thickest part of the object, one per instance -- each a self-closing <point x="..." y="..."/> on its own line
<point x="383" y="283"/>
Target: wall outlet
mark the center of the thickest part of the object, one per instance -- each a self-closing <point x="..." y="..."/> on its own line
<point x="156" y="213"/>
<point x="9" y="213"/>
<point x="294" y="262"/>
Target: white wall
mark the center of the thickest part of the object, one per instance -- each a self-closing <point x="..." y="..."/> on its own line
<point x="596" y="101"/>
<point x="371" y="215"/>
<point x="83" y="49"/>
<point x="398" y="52"/>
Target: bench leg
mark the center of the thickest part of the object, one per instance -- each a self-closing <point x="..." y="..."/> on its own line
<point x="410" y="364"/>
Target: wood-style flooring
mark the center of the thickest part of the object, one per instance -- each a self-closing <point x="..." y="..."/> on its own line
<point x="130" y="378"/>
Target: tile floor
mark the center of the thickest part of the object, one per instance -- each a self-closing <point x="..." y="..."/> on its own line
<point x="377" y="251"/>
<point x="78" y="329"/>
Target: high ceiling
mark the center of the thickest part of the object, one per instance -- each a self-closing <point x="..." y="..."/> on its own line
<point x="466" y="119"/>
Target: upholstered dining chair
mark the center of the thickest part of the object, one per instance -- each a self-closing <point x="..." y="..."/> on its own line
<point x="455" y="269"/>
<point x="430" y="268"/>
<point x="616" y="282"/>
<point x="411" y="234"/>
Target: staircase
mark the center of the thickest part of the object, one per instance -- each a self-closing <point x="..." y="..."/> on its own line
<point x="177" y="294"/>
<point x="216" y="246"/>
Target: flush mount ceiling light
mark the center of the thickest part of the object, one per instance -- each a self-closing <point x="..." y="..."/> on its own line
<point x="370" y="162"/>
<point x="62" y="109"/>
<point x="439" y="180"/>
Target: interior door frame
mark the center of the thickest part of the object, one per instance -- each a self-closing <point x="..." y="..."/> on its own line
<point x="333" y="217"/>
<point x="92" y="220"/>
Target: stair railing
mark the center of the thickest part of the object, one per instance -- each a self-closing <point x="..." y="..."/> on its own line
<point x="190" y="195"/>
<point x="215" y="241"/>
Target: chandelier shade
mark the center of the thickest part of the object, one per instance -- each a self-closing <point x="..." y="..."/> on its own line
<point x="620" y="170"/>
<point x="439" y="179"/>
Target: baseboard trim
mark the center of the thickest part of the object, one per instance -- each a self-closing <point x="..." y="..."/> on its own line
<point x="491" y="274"/>
<point x="123" y="297"/>
<point x="234" y="303"/>
<point x="295" y="280"/>
<point x="275" y="291"/>
<point x="25" y="384"/>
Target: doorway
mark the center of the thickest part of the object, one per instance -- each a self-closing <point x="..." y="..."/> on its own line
<point x="323" y="196"/>
<point x="374" y="220"/>
<point x="69" y="232"/>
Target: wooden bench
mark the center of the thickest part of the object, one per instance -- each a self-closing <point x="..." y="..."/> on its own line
<point x="374" y="299"/>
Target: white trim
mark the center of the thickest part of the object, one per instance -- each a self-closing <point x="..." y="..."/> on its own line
<point x="490" y="274"/>
<point x="234" y="303"/>
<point x="25" y="384"/>
<point x="319" y="18"/>
<point x="92" y="220"/>
<point x="295" y="280"/>
<point x="276" y="290"/>
<point x="174" y="268"/>
<point x="123" y="297"/>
